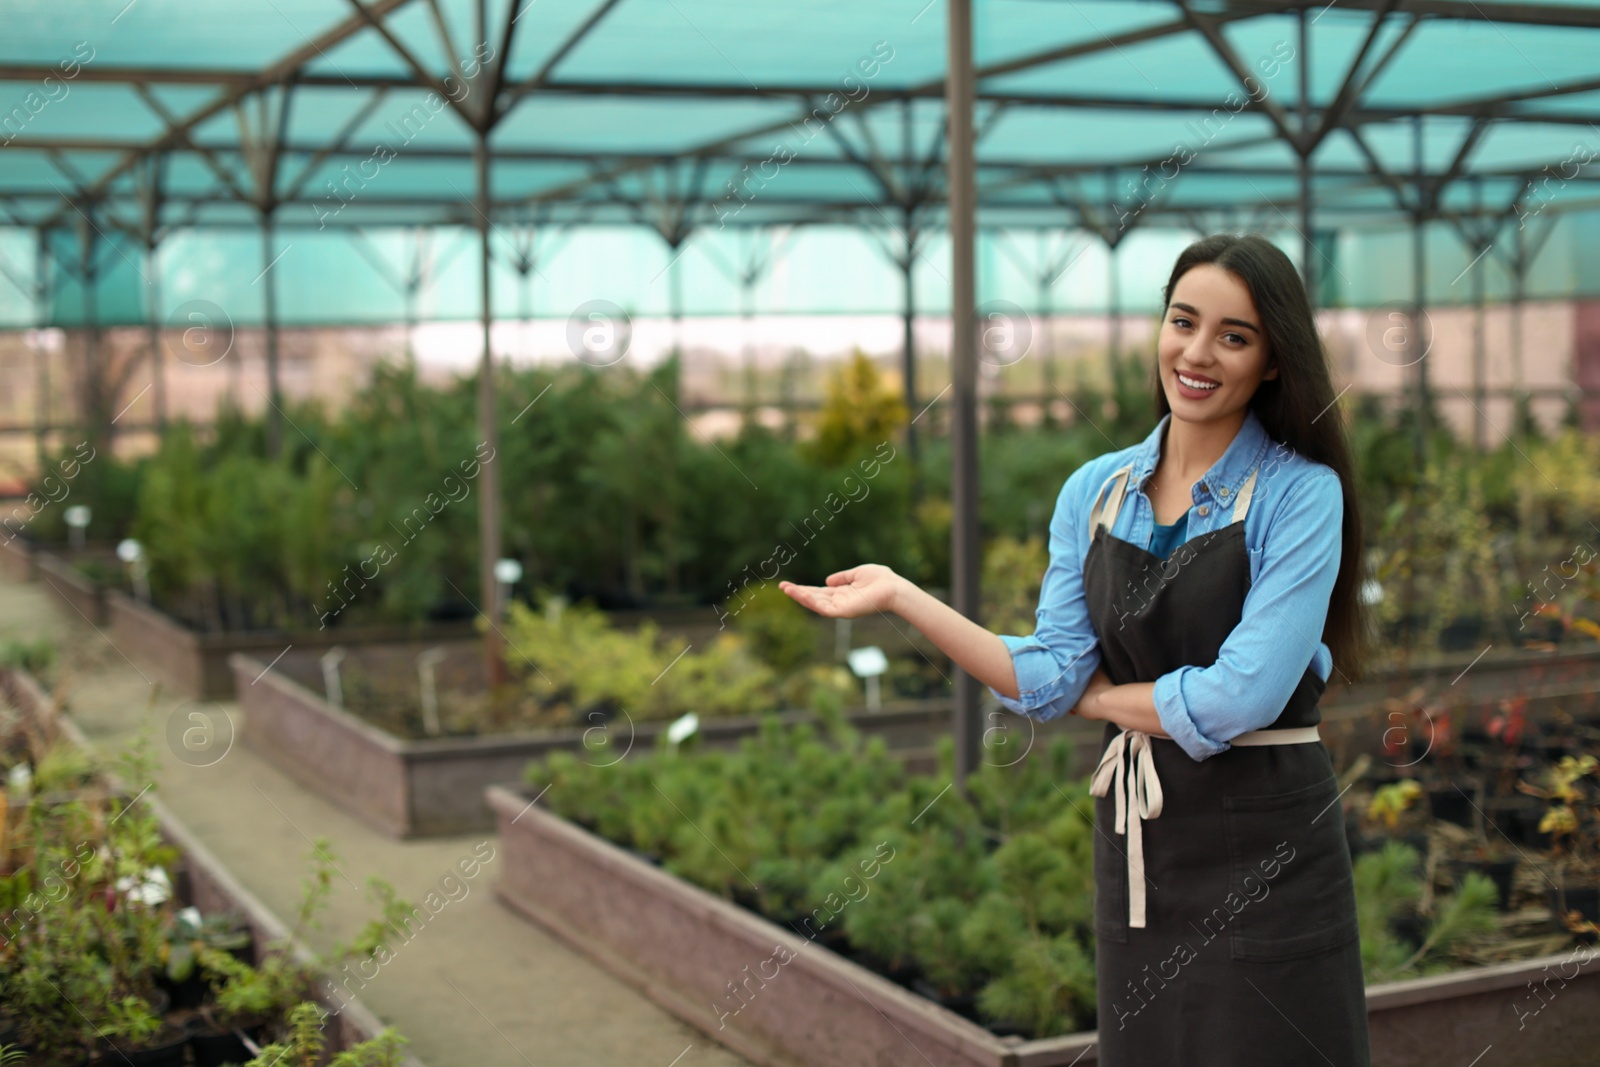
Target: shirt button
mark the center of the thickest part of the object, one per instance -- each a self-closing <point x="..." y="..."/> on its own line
<point x="1204" y="510"/>
<point x="1224" y="491"/>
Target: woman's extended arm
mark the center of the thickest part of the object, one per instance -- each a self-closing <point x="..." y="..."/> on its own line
<point x="873" y="587"/>
<point x="1042" y="675"/>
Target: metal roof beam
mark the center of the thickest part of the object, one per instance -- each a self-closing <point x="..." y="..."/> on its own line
<point x="1017" y="172"/>
<point x="339" y="144"/>
<point x="1210" y="29"/>
<point x="1349" y="92"/>
<point x="374" y="18"/>
<point x="1507" y="13"/>
<point x="538" y="80"/>
<point x="935" y="87"/>
<point x="1492" y="106"/>
<point x="181" y="137"/>
<point x="272" y="75"/>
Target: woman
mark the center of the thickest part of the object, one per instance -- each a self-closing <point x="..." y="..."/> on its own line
<point x="1202" y="586"/>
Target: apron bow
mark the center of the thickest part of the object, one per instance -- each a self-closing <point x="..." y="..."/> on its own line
<point x="1137" y="789"/>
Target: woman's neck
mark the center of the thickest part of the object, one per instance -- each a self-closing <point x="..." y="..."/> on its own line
<point x="1189" y="449"/>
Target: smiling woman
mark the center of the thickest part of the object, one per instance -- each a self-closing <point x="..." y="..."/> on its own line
<point x="1211" y="761"/>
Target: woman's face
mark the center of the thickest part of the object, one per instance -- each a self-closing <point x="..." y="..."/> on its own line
<point x="1211" y="348"/>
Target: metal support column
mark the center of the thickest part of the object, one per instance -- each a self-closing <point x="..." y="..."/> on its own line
<point x="41" y="317"/>
<point x="964" y="548"/>
<point x="1047" y="276"/>
<point x="1519" y="289"/>
<point x="1308" y="247"/>
<point x="908" y="346"/>
<point x="489" y="479"/>
<point x="1480" y="433"/>
<point x="158" y="375"/>
<point x="1418" y="339"/>
<point x="95" y="416"/>
<point x="269" y="325"/>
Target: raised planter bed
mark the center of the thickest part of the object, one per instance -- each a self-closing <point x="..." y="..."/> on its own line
<point x="406" y="787"/>
<point x="200" y="879"/>
<point x="683" y="946"/>
<point x="409" y="788"/>
<point x="196" y="664"/>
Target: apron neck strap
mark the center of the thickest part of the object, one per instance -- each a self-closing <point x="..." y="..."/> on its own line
<point x="1241" y="503"/>
<point x="1117" y="493"/>
<point x="1101" y="515"/>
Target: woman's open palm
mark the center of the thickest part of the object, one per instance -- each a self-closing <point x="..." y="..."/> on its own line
<point x="849" y="594"/>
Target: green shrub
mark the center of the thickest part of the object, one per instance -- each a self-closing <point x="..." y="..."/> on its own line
<point x="1388" y="886"/>
<point x="571" y="655"/>
<point x="781" y="632"/>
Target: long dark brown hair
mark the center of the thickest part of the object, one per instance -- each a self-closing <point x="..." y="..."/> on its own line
<point x="1296" y="408"/>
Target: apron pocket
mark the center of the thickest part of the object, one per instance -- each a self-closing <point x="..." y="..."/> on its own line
<point x="1291" y="890"/>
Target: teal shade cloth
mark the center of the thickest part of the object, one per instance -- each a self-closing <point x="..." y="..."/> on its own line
<point x="1164" y="539"/>
<point x="723" y="158"/>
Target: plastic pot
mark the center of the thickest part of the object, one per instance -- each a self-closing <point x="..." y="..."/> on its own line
<point x="189" y="993"/>
<point x="1583" y="899"/>
<point x="1500" y="872"/>
<point x="168" y="1055"/>
<point x="960" y="1003"/>
<point x="1411" y="929"/>
<point x="1451" y="804"/>
<point x="1528" y="832"/>
<point x="220" y="1048"/>
<point x="1506" y="817"/>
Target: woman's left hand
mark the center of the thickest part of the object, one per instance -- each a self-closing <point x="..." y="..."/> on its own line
<point x="1088" y="704"/>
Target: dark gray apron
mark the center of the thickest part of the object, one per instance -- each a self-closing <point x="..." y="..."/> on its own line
<point x="1243" y="950"/>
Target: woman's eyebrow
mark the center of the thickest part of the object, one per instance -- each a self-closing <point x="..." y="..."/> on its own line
<point x="1226" y="322"/>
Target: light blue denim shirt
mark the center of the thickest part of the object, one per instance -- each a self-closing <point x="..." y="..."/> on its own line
<point x="1292" y="530"/>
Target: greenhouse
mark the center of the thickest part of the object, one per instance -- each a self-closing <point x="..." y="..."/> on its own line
<point x="569" y="532"/>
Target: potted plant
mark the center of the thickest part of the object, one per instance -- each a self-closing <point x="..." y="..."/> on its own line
<point x="303" y="1045"/>
<point x="259" y="1002"/>
<point x="1515" y="817"/>
<point x="81" y="970"/>
<point x="1449" y="788"/>
<point x="1573" y="824"/>
<point x="1394" y="813"/>
<point x="1493" y="858"/>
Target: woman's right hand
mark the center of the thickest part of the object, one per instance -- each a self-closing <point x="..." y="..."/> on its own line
<point x="849" y="594"/>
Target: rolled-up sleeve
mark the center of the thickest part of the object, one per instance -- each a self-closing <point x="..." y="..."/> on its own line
<point x="1053" y="666"/>
<point x="1278" y="633"/>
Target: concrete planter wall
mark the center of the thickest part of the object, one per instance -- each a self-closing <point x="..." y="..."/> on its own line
<point x="682" y="947"/>
<point x="84" y="597"/>
<point x="202" y="880"/>
<point x="196" y="664"/>
<point x="16" y="559"/>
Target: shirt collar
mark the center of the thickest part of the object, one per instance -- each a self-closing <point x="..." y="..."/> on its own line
<point x="1242" y="456"/>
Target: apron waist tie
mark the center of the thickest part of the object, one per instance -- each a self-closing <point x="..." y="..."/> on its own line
<point x="1137" y="789"/>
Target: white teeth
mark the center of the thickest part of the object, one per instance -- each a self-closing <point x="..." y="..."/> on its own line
<point x="1192" y="384"/>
